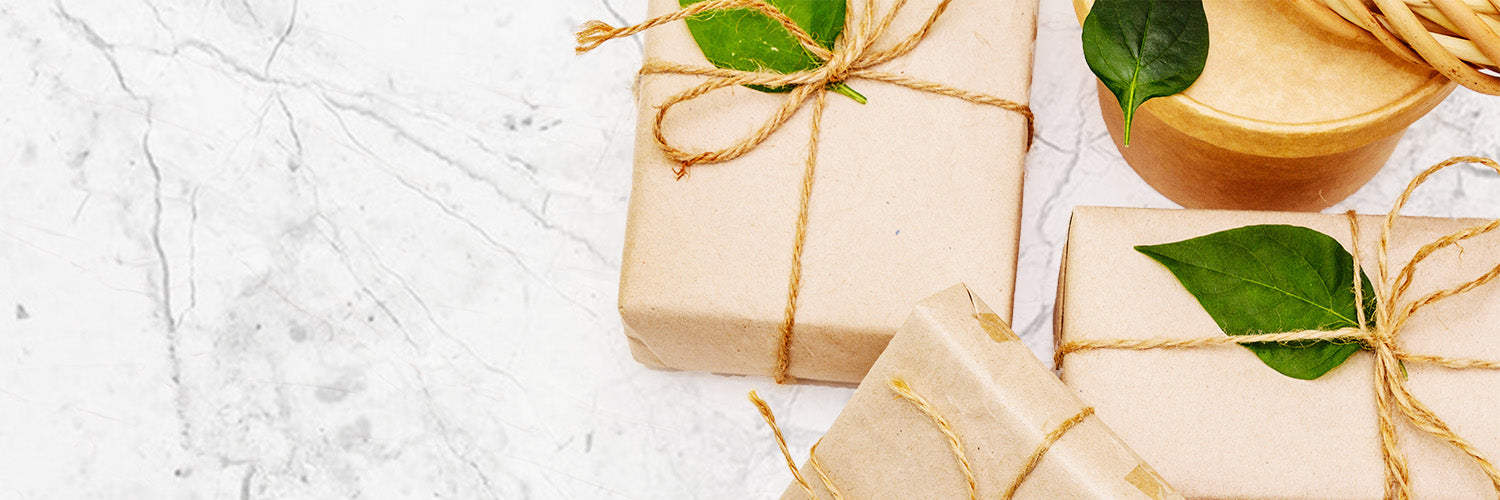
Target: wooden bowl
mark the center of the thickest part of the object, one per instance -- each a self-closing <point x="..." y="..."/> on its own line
<point x="1287" y="115"/>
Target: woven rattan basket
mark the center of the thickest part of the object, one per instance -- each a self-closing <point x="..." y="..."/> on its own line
<point x="1457" y="37"/>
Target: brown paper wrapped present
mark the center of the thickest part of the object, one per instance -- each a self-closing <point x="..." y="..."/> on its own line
<point x="762" y="264"/>
<point x="1218" y="423"/>
<point x="956" y="378"/>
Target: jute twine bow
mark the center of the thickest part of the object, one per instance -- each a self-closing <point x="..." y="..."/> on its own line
<point x="1392" y="395"/>
<point x="1455" y="37"/>
<point x="903" y="391"/>
<point x="853" y="57"/>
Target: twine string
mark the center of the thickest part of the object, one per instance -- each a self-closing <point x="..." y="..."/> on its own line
<point x="1394" y="399"/>
<point x="853" y="57"/>
<point x="812" y="459"/>
<point x="595" y="33"/>
<point x="903" y="391"/>
<point x="770" y="418"/>
<point x="1050" y="439"/>
<point x="794" y="279"/>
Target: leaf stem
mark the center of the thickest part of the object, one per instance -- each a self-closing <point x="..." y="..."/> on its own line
<point x="842" y="88"/>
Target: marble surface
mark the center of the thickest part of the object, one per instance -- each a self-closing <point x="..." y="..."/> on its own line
<point x="369" y="249"/>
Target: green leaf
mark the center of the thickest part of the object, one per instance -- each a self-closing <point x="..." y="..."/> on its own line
<point x="747" y="40"/>
<point x="1272" y="279"/>
<point x="1143" y="49"/>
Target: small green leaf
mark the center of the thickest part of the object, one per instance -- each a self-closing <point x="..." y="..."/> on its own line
<point x="747" y="40"/>
<point x="1142" y="49"/>
<point x="1272" y="279"/>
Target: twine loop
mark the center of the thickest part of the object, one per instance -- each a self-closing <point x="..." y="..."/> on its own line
<point x="854" y="56"/>
<point x="1455" y="37"/>
<point x="1393" y="398"/>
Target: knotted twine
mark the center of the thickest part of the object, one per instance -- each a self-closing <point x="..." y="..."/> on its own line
<point x="853" y="57"/>
<point x="903" y="391"/>
<point x="1392" y="394"/>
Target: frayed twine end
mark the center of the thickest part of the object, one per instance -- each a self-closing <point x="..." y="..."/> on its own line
<point x="592" y="35"/>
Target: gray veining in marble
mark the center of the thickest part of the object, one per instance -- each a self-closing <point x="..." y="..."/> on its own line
<point x="281" y="249"/>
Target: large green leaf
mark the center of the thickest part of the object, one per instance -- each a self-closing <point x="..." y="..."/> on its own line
<point x="748" y="40"/>
<point x="1142" y="49"/>
<point x="1272" y="279"/>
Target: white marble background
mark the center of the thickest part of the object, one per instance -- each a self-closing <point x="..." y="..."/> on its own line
<point x="262" y="249"/>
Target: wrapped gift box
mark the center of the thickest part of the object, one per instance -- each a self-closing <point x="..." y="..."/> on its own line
<point x="1000" y="401"/>
<point x="1217" y="422"/>
<point x="913" y="192"/>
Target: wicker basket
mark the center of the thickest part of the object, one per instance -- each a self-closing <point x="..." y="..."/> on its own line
<point x="1455" y="37"/>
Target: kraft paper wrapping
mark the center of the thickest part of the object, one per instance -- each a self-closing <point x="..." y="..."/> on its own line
<point x="999" y="399"/>
<point x="1217" y="423"/>
<point x="913" y="192"/>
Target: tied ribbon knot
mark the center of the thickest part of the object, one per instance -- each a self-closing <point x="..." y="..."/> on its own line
<point x="854" y="56"/>
<point x="1393" y="398"/>
<point x="903" y="391"/>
